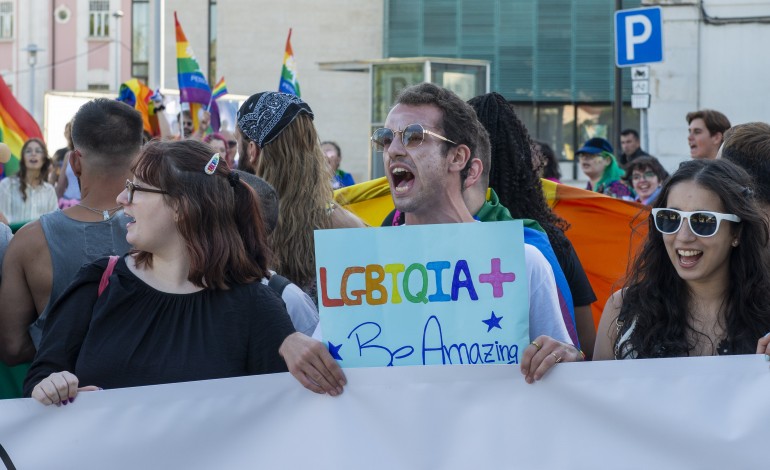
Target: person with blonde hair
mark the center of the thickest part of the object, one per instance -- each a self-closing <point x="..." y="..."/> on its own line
<point x="279" y="143"/>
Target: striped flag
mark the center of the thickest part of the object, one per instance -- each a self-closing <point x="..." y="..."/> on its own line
<point x="137" y="94"/>
<point x="193" y="87"/>
<point x="16" y="127"/>
<point x="289" y="83"/>
<point x="220" y="89"/>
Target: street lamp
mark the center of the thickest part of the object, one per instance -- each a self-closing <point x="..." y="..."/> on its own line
<point x="117" y="15"/>
<point x="32" y="49"/>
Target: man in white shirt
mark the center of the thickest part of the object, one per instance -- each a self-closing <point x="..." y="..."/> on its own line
<point x="429" y="143"/>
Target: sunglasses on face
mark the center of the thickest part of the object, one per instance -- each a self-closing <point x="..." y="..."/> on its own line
<point x="131" y="187"/>
<point x="702" y="223"/>
<point x="412" y="136"/>
<point x="231" y="144"/>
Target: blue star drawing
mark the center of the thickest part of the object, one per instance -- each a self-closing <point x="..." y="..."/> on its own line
<point x="335" y="351"/>
<point x="493" y="322"/>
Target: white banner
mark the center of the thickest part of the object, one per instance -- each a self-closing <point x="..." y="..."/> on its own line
<point x="662" y="414"/>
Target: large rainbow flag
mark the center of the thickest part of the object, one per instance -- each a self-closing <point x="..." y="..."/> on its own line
<point x="193" y="87"/>
<point x="606" y="232"/>
<point x="289" y="83"/>
<point x="16" y="127"/>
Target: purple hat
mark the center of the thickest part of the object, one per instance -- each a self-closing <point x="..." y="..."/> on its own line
<point x="595" y="146"/>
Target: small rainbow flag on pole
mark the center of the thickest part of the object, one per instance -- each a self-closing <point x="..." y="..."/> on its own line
<point x="289" y="83"/>
<point x="193" y="87"/>
<point x="219" y="90"/>
<point x="16" y="127"/>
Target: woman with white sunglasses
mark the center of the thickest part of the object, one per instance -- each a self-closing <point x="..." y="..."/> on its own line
<point x="701" y="285"/>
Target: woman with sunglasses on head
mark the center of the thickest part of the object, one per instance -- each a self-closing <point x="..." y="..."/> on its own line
<point x="646" y="176"/>
<point x="700" y="285"/>
<point x="187" y="303"/>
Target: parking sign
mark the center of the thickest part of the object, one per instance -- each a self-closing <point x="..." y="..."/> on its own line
<point x="638" y="36"/>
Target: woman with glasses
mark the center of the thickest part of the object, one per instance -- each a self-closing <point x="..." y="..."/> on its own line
<point x="599" y="165"/>
<point x="28" y="195"/>
<point x="185" y="304"/>
<point x="646" y="176"/>
<point x="700" y="285"/>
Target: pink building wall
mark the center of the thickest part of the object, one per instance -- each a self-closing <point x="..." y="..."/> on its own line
<point x="64" y="49"/>
<point x="6" y="55"/>
<point x="99" y="54"/>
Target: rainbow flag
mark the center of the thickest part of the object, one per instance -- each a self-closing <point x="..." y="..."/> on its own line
<point x="137" y="94"/>
<point x="289" y="83"/>
<point x="607" y="233"/>
<point x="220" y="89"/>
<point x="193" y="87"/>
<point x="16" y="127"/>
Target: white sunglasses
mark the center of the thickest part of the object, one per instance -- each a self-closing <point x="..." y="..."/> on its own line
<point x="702" y="223"/>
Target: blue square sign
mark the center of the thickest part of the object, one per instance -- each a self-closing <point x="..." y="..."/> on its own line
<point x="638" y="36"/>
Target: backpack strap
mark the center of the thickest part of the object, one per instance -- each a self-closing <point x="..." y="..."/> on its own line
<point x="278" y="283"/>
<point x="107" y="273"/>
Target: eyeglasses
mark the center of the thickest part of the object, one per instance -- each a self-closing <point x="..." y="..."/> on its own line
<point x="589" y="156"/>
<point x="131" y="187"/>
<point x="647" y="175"/>
<point x="411" y="137"/>
<point x="231" y="143"/>
<point x="702" y="223"/>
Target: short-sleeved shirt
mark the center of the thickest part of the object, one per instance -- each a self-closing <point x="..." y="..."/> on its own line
<point x="136" y="335"/>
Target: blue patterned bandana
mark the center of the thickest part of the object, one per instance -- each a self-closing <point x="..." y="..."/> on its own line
<point x="265" y="115"/>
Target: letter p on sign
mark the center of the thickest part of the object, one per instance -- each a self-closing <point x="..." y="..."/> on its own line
<point x="638" y="36"/>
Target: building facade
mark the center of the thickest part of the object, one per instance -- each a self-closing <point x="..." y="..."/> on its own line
<point x="553" y="59"/>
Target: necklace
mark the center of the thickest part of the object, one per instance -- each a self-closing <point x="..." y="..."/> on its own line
<point x="107" y="213"/>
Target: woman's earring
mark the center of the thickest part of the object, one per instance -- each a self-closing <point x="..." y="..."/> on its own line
<point x="735" y="243"/>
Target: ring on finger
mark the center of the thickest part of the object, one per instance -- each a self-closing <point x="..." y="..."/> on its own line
<point x="558" y="358"/>
<point x="535" y="344"/>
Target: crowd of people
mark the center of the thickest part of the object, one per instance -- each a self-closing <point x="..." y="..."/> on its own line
<point x="170" y="251"/>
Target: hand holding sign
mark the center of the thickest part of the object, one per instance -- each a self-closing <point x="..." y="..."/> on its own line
<point x="59" y="389"/>
<point x="542" y="354"/>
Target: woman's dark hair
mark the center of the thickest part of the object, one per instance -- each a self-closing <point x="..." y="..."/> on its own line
<point x="23" y="166"/>
<point x="219" y="216"/>
<point x="511" y="174"/>
<point x="643" y="163"/>
<point x="657" y="302"/>
<point x="550" y="162"/>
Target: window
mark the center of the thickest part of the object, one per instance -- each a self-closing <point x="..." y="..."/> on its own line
<point x="6" y="20"/>
<point x="98" y="87"/>
<point x="140" y="39"/>
<point x="99" y="18"/>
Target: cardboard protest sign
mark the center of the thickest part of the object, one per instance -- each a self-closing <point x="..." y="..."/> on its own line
<point x="428" y="294"/>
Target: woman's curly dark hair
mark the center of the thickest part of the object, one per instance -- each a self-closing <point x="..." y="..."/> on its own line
<point x="511" y="173"/>
<point x="657" y="302"/>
